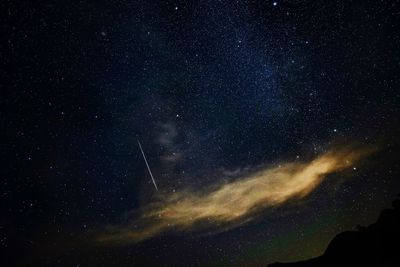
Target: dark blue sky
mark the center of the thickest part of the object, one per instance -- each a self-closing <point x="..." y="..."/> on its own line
<point x="208" y="87"/>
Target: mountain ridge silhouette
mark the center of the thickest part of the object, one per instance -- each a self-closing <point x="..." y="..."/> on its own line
<point x="376" y="245"/>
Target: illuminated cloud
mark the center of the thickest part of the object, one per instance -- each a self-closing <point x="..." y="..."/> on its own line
<point x="228" y="205"/>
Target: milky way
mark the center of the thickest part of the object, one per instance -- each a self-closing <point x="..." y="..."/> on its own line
<point x="253" y="117"/>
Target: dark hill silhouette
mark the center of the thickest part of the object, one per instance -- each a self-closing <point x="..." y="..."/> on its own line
<point x="377" y="245"/>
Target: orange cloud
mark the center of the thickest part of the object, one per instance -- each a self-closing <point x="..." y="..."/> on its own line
<point x="231" y="204"/>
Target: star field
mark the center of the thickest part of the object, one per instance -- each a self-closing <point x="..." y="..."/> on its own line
<point x="215" y="91"/>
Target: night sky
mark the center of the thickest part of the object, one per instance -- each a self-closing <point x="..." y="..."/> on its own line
<point x="237" y="105"/>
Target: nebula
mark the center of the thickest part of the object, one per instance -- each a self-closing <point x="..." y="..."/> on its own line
<point x="228" y="205"/>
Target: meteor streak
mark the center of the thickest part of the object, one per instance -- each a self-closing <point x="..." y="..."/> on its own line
<point x="148" y="167"/>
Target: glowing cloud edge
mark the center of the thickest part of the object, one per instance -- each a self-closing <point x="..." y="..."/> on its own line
<point x="234" y="203"/>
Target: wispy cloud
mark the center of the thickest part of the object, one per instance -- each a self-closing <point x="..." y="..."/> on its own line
<point x="230" y="204"/>
<point x="166" y="137"/>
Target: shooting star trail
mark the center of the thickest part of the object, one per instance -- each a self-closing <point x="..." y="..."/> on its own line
<point x="148" y="167"/>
